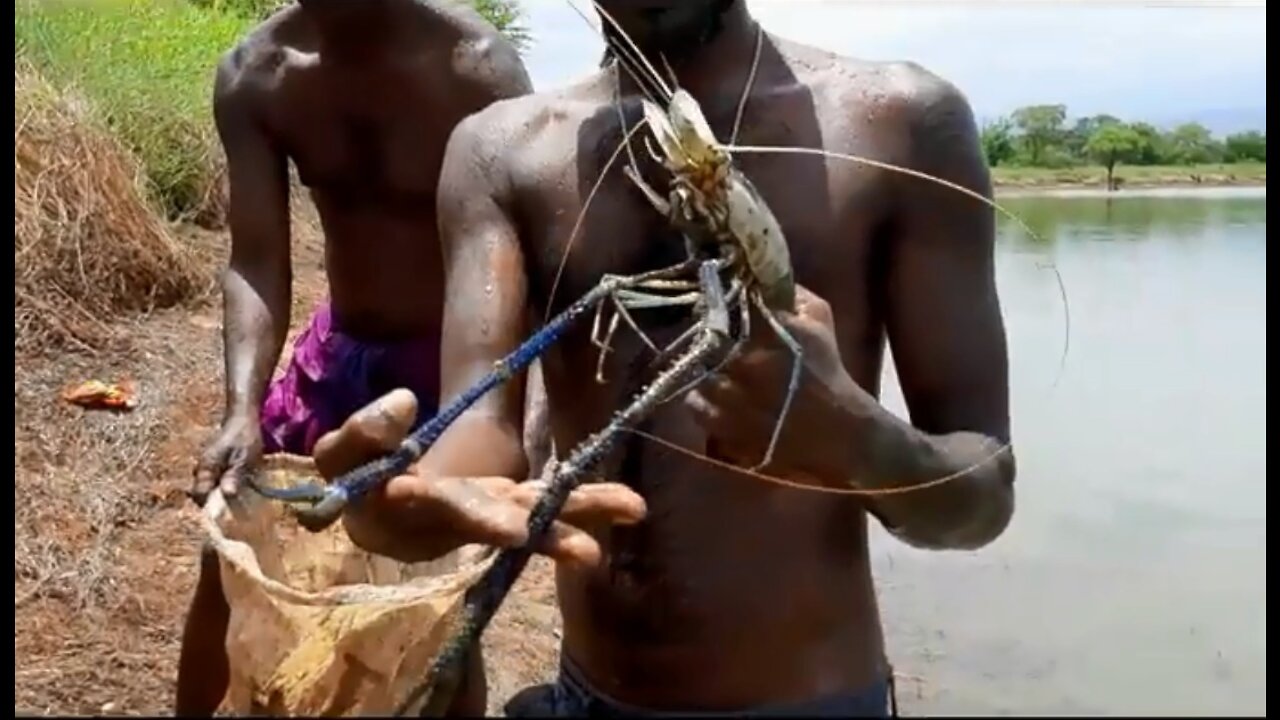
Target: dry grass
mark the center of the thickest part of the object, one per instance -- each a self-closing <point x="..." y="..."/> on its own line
<point x="147" y="68"/>
<point x="105" y="541"/>
<point x="102" y="545"/>
<point x="87" y="246"/>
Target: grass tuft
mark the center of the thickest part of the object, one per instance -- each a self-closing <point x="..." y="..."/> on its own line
<point x="147" y="67"/>
<point x="87" y="244"/>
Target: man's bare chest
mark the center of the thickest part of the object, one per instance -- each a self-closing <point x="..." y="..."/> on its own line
<point x="366" y="143"/>
<point x="833" y="220"/>
<point x="580" y="237"/>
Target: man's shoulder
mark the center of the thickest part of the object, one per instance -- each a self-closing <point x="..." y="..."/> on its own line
<point x="888" y="95"/>
<point x="512" y="127"/>
<point x="923" y="100"/>
<point x="485" y="55"/>
<point x="256" y="59"/>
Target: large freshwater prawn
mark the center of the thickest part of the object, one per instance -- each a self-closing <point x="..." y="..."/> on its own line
<point x="738" y="261"/>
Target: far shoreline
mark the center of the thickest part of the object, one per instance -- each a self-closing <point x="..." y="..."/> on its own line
<point x="1033" y="186"/>
<point x="1024" y="179"/>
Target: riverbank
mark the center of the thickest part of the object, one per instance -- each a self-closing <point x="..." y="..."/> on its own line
<point x="1152" y="176"/>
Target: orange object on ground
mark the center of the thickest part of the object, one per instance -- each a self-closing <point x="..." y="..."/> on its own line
<point x="97" y="395"/>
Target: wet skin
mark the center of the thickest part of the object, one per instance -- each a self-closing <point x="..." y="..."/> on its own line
<point x="728" y="593"/>
<point x="361" y="98"/>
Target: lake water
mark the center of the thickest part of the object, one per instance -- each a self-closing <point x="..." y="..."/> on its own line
<point x="1133" y="578"/>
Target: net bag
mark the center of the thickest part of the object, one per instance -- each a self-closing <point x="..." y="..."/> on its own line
<point x="319" y="627"/>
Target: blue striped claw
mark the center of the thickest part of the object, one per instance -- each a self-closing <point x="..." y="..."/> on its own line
<point x="324" y="513"/>
<point x="315" y="506"/>
<point x="310" y="493"/>
<point x="327" y="502"/>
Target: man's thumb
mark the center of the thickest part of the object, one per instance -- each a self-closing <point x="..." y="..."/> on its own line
<point x="376" y="429"/>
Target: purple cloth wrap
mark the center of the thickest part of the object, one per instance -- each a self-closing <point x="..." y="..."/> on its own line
<point x="332" y="375"/>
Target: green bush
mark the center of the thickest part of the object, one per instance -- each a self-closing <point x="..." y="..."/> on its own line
<point x="147" y="66"/>
<point x="256" y="9"/>
<point x="508" y="17"/>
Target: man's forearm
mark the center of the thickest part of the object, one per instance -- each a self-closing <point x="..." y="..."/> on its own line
<point x="966" y="496"/>
<point x="478" y="445"/>
<point x="255" y="324"/>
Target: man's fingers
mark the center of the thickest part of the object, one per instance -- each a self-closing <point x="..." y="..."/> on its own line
<point x="205" y="480"/>
<point x="495" y="511"/>
<point x="725" y="394"/>
<point x="719" y="422"/>
<point x="502" y="519"/>
<point x="809" y="305"/>
<point x="376" y="429"/>
<point x="569" y="544"/>
<point x="201" y="488"/>
<point x="505" y="524"/>
<point x="603" y="502"/>
<point x="208" y="474"/>
<point x="229" y="483"/>
<point x="563" y="543"/>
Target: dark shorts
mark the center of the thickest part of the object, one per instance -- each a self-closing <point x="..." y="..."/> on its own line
<point x="571" y="696"/>
<point x="332" y="375"/>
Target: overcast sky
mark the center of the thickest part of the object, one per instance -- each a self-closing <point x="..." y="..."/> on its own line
<point x="1161" y="60"/>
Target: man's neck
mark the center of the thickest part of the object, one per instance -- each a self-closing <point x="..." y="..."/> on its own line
<point x="704" y="70"/>
<point x="371" y="30"/>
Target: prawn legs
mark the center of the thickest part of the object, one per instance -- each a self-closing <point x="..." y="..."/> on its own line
<point x="318" y="505"/>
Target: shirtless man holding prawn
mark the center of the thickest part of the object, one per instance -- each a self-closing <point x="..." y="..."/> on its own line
<point x="361" y="97"/>
<point x="686" y="587"/>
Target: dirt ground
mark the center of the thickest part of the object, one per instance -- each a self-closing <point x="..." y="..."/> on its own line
<point x="105" y="540"/>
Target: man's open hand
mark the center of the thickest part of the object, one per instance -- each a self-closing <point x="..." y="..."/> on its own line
<point x="418" y="517"/>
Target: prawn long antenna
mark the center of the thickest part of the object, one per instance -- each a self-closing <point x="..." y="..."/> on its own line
<point x="582" y="214"/>
<point x="628" y="56"/>
<point x="810" y="487"/>
<point x="890" y="167"/>
<point x="654" y="75"/>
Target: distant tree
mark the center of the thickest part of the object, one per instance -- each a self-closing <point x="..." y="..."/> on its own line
<point x="1152" y="151"/>
<point x="997" y="141"/>
<point x="1192" y="143"/>
<point x="1040" y="127"/>
<point x="508" y="17"/>
<point x="1250" y="145"/>
<point x="1078" y="136"/>
<point x="1039" y="136"/>
<point x="1113" y="143"/>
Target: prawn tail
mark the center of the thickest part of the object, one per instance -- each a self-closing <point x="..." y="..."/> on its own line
<point x="760" y="236"/>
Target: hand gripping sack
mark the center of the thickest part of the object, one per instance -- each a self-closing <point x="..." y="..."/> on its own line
<point x="319" y="627"/>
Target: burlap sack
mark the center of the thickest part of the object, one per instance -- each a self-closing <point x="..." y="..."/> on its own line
<point x="319" y="627"/>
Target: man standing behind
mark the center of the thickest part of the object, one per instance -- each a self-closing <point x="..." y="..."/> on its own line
<point x="361" y="97"/>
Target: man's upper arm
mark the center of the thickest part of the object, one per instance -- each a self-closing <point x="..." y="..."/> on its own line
<point x="257" y="174"/>
<point x="485" y="282"/>
<point x="943" y="319"/>
<point x="494" y="70"/>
